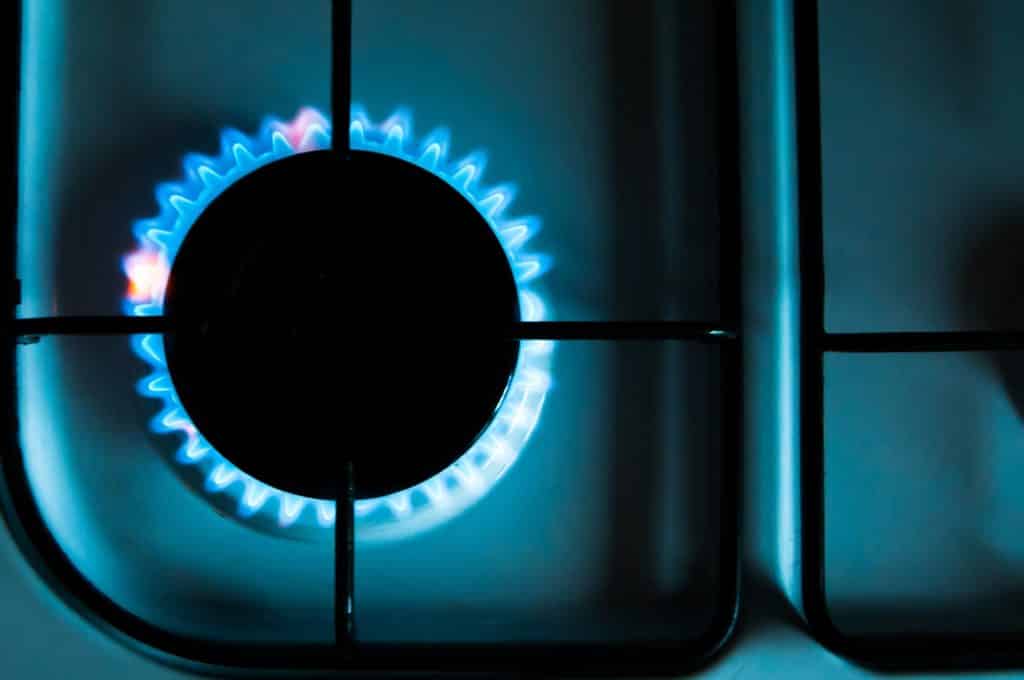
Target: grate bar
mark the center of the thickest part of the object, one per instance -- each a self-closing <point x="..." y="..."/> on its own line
<point x="29" y="330"/>
<point x="939" y="341"/>
<point x="344" y="527"/>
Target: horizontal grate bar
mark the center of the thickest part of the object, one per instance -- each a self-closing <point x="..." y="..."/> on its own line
<point x="89" y="325"/>
<point x="939" y="341"/>
<point x="621" y="330"/>
<point x="29" y="329"/>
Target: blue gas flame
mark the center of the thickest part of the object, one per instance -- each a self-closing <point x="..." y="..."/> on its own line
<point x="406" y="512"/>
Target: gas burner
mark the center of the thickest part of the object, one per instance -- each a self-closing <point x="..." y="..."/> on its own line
<point x="241" y="255"/>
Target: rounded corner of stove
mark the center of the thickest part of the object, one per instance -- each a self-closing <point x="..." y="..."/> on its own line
<point x="58" y="574"/>
<point x="721" y="633"/>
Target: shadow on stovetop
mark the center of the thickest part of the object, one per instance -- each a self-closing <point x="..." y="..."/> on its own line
<point x="765" y="607"/>
<point x="992" y="287"/>
<point x="665" y="440"/>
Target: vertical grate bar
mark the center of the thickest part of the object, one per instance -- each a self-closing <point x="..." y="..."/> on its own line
<point x="341" y="71"/>
<point x="344" y="536"/>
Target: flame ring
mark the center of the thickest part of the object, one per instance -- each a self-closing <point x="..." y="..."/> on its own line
<point x="400" y="514"/>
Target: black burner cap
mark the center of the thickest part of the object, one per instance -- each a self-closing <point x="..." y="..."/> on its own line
<point x="327" y="310"/>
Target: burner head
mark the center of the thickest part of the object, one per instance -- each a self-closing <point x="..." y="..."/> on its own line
<point x="328" y="310"/>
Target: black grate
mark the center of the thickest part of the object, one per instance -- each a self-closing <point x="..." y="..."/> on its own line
<point x="348" y="653"/>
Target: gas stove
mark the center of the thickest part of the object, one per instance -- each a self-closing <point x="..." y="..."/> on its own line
<point x="356" y="337"/>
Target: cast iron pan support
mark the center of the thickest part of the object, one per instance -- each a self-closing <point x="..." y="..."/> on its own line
<point x="40" y="548"/>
